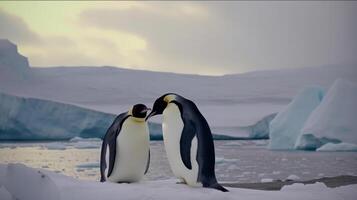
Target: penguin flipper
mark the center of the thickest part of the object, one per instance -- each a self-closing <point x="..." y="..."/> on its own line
<point x="147" y="163"/>
<point x="110" y="140"/>
<point x="103" y="163"/>
<point x="112" y="154"/>
<point x="188" y="133"/>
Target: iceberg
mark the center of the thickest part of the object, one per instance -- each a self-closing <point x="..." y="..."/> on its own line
<point x="334" y="120"/>
<point x="35" y="119"/>
<point x="286" y="126"/>
<point x="29" y="118"/>
<point x="338" y="147"/>
<point x="261" y="130"/>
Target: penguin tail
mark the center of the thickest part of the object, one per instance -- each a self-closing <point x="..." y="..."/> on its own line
<point x="217" y="186"/>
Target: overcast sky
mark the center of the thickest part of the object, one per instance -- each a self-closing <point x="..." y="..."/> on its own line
<point x="186" y="37"/>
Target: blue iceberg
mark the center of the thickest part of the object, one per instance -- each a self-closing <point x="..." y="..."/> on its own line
<point x="286" y="126"/>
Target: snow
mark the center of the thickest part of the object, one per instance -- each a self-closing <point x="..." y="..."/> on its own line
<point x="89" y="165"/>
<point x="334" y="120"/>
<point x="79" y="139"/>
<point x="4" y="194"/>
<point x="87" y="145"/>
<point x="266" y="180"/>
<point x="220" y="160"/>
<point x="338" y="147"/>
<point x="286" y="126"/>
<point x="28" y="183"/>
<point x="54" y="146"/>
<point x="293" y="177"/>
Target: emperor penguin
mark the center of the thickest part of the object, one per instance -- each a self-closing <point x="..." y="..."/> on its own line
<point x="127" y="141"/>
<point x="188" y="141"/>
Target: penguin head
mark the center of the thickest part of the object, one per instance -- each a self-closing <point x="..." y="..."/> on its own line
<point x="160" y="104"/>
<point x="139" y="111"/>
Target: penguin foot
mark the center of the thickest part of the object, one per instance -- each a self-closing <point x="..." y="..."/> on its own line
<point x="217" y="186"/>
<point x="181" y="181"/>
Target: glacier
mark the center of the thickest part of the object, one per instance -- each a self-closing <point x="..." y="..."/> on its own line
<point x="286" y="126"/>
<point x="35" y="119"/>
<point x="334" y="120"/>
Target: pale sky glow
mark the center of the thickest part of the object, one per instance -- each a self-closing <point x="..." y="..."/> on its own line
<point x="186" y="37"/>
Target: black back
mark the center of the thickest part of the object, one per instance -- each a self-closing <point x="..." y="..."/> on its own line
<point x="110" y="139"/>
<point x="196" y="125"/>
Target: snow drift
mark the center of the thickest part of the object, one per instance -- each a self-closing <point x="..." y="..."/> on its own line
<point x="21" y="182"/>
<point x="334" y="120"/>
<point x="286" y="126"/>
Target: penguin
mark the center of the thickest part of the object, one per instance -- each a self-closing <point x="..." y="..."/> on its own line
<point x="188" y="141"/>
<point x="127" y="143"/>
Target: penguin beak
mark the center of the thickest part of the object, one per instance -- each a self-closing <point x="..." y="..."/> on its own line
<point x="150" y="115"/>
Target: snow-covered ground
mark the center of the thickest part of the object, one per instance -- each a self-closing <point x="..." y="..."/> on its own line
<point x="20" y="182"/>
<point x="231" y="103"/>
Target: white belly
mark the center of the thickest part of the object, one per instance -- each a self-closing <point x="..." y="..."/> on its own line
<point x="172" y="128"/>
<point x="132" y="152"/>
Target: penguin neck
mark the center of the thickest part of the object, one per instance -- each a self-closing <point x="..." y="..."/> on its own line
<point x="169" y="98"/>
<point x="137" y="119"/>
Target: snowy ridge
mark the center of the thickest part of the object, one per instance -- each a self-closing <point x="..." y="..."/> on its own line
<point x="232" y="104"/>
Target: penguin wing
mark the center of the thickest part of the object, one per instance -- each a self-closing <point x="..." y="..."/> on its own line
<point x="147" y="163"/>
<point x="103" y="162"/>
<point x="188" y="133"/>
<point x="110" y="140"/>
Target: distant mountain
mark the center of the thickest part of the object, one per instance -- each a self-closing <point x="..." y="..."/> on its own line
<point x="12" y="64"/>
<point x="228" y="102"/>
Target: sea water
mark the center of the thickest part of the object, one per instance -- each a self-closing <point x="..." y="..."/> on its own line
<point x="236" y="160"/>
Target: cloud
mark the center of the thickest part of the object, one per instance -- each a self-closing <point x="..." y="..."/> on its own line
<point x="75" y="48"/>
<point x="216" y="37"/>
<point x="16" y="30"/>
